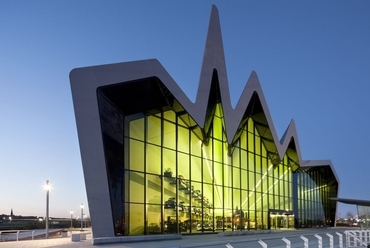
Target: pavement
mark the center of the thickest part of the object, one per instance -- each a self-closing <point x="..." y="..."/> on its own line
<point x="272" y="239"/>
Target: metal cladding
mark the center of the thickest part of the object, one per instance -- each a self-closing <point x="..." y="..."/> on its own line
<point x="252" y="104"/>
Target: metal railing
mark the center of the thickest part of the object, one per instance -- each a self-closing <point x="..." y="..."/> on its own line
<point x="355" y="236"/>
<point x="8" y="235"/>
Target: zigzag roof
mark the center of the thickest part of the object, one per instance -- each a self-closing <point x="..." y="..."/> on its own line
<point x="145" y="86"/>
<point x="213" y="71"/>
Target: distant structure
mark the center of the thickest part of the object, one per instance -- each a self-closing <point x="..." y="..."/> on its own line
<point x="156" y="163"/>
<point x="363" y="210"/>
<point x="11" y="213"/>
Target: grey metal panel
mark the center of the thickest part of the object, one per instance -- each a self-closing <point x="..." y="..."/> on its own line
<point x="352" y="201"/>
<point x="309" y="163"/>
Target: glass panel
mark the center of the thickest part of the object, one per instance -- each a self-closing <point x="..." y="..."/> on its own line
<point x="228" y="176"/>
<point x="207" y="170"/>
<point x="258" y="186"/>
<point x="226" y="156"/>
<point x="136" y="217"/>
<point x="169" y="135"/>
<point x="243" y="160"/>
<point x="183" y="165"/>
<point x="183" y="140"/>
<point x="236" y="177"/>
<point x="218" y="203"/>
<point x="218" y="151"/>
<point x="244" y="176"/>
<point x="258" y="143"/>
<point x="153" y="192"/>
<point x="196" y="145"/>
<point x="251" y="164"/>
<point x="258" y="164"/>
<point x="169" y="115"/>
<point x="196" y="204"/>
<point x="154" y="130"/>
<point x="243" y="140"/>
<point x="264" y="153"/>
<point x="137" y="129"/>
<point x="153" y="159"/>
<point x="250" y="125"/>
<point x="250" y="142"/>
<point x="218" y="176"/>
<point x="154" y="219"/>
<point x="136" y="155"/>
<point x="217" y="128"/>
<point x="252" y="185"/>
<point x="154" y="208"/>
<point x="228" y="197"/>
<point x="245" y="198"/>
<point x="169" y="161"/>
<point x="236" y="198"/>
<point x="252" y="220"/>
<point x="196" y="169"/>
<point x="236" y="157"/>
<point x="136" y="185"/>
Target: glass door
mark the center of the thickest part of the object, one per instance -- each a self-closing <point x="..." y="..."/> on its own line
<point x="281" y="221"/>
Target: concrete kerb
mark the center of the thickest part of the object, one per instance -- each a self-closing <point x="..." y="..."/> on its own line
<point x="239" y="233"/>
<point x="125" y="239"/>
<point x="164" y="237"/>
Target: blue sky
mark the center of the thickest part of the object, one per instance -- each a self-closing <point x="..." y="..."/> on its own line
<point x="312" y="59"/>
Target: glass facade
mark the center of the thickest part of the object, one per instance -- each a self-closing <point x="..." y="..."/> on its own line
<point x="167" y="175"/>
<point x="364" y="216"/>
<point x="314" y="208"/>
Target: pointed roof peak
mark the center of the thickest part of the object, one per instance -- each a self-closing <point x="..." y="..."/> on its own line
<point x="214" y="10"/>
<point x="213" y="59"/>
<point x="253" y="80"/>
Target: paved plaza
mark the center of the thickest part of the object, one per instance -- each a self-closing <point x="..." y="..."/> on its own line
<point x="272" y="239"/>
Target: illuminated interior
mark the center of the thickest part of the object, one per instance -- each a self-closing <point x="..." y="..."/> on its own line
<point x="169" y="175"/>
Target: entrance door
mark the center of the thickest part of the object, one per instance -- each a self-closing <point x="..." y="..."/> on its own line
<point x="279" y="220"/>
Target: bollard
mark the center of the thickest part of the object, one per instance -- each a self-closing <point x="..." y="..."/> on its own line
<point x="264" y="245"/>
<point x="319" y="240"/>
<point x="33" y="234"/>
<point x="340" y="239"/>
<point x="331" y="243"/>
<point x="305" y="241"/>
<point x="17" y="235"/>
<point x="287" y="242"/>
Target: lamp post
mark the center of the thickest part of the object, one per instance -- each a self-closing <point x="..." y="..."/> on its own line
<point x="82" y="215"/>
<point x="47" y="188"/>
<point x="71" y="218"/>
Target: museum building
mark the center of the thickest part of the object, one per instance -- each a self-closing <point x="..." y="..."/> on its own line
<point x="156" y="163"/>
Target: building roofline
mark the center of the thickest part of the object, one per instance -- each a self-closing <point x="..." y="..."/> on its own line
<point x="352" y="201"/>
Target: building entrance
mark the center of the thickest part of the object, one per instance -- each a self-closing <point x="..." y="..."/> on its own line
<point x="281" y="219"/>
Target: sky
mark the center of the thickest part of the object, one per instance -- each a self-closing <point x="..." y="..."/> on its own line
<point x="312" y="59"/>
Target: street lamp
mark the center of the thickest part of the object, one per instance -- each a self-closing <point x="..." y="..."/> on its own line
<point x="82" y="215"/>
<point x="71" y="218"/>
<point x="47" y="188"/>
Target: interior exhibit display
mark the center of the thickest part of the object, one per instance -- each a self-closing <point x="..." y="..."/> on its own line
<point x="156" y="163"/>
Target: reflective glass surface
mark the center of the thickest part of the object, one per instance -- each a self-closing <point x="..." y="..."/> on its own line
<point x="164" y="179"/>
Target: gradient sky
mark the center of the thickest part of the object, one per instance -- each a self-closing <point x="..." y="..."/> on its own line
<point x="312" y="59"/>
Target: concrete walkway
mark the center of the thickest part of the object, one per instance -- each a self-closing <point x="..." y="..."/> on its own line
<point x="273" y="239"/>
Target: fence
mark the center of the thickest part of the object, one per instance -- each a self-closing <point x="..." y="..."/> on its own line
<point x="16" y="235"/>
<point x="358" y="238"/>
<point x="353" y="238"/>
